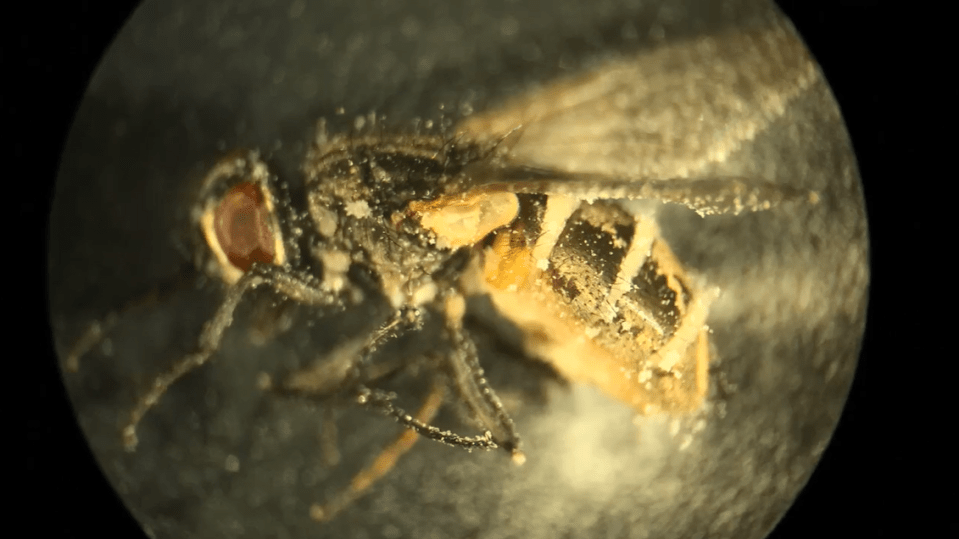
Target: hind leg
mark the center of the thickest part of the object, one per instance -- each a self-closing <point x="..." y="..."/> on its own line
<point x="382" y="464"/>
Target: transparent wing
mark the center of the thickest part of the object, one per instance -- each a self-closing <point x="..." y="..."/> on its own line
<point x="704" y="195"/>
<point x="657" y="120"/>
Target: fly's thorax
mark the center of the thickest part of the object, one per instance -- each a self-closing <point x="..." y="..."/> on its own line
<point x="401" y="257"/>
<point x="387" y="171"/>
<point x="376" y="177"/>
<point x="364" y="197"/>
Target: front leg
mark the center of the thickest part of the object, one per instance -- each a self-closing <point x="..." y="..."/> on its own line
<point x="296" y="286"/>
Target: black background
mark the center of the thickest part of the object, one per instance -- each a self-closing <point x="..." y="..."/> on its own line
<point x="883" y="474"/>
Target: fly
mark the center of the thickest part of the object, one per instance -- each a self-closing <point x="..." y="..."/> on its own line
<point x="513" y="207"/>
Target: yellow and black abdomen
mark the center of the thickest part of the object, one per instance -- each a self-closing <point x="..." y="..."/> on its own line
<point x="598" y="294"/>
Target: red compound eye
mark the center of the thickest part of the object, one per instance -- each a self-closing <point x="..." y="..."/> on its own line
<point x="242" y="227"/>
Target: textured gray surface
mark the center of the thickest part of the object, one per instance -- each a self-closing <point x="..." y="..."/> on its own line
<point x="182" y="83"/>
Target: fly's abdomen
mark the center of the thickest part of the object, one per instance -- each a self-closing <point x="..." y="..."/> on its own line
<point x="600" y="296"/>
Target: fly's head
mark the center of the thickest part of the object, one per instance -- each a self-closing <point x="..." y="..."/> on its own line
<point x="241" y="219"/>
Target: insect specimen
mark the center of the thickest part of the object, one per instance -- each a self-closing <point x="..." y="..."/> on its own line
<point x="517" y="206"/>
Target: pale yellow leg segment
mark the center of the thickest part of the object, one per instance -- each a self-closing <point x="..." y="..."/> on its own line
<point x="383" y="463"/>
<point x="328" y="449"/>
<point x="92" y="336"/>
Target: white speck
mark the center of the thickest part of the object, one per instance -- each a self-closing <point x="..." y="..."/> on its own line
<point x="334" y="283"/>
<point x="380" y="175"/>
<point x="358" y="208"/>
<point x="669" y="360"/>
<point x="424" y="294"/>
<point x="232" y="463"/>
<point x="325" y="222"/>
<point x="336" y="261"/>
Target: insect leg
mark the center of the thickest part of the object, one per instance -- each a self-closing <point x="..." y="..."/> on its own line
<point x="301" y="288"/>
<point x="328" y="436"/>
<point x="333" y="374"/>
<point x="328" y="378"/>
<point x="482" y="400"/>
<point x="97" y="330"/>
<point x="383" y="463"/>
<point x="382" y="402"/>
